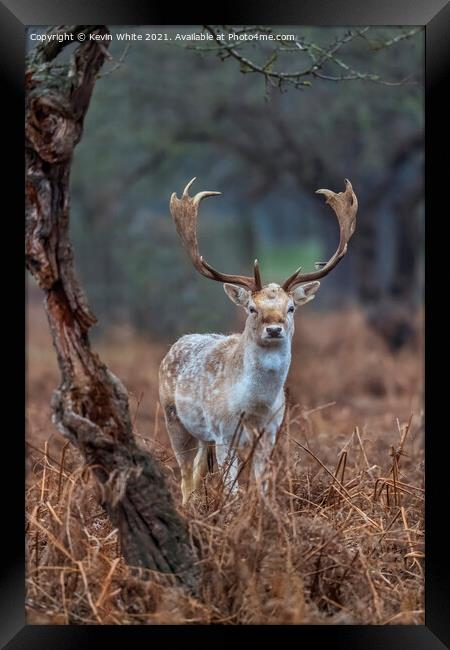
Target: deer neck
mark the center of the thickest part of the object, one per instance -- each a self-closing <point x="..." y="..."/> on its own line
<point x="262" y="370"/>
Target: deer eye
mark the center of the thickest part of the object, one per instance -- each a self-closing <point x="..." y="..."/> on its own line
<point x="291" y="309"/>
<point x="252" y="310"/>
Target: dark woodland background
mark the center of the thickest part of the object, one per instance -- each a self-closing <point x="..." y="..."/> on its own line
<point x="165" y="113"/>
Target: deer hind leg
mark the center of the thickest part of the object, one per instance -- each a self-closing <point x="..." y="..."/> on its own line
<point x="186" y="449"/>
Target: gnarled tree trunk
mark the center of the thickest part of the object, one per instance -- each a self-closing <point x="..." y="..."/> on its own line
<point x="91" y="405"/>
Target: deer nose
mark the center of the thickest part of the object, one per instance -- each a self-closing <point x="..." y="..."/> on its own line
<point x="274" y="332"/>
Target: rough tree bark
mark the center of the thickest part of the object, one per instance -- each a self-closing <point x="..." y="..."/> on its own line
<point x="90" y="405"/>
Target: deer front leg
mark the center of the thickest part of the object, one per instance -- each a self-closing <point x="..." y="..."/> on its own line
<point x="261" y="457"/>
<point x="228" y="462"/>
<point x="200" y="468"/>
<point x="266" y="443"/>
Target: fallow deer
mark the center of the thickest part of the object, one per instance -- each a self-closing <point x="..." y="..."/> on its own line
<point x="211" y="385"/>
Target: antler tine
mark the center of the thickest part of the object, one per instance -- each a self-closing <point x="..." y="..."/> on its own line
<point x="345" y="206"/>
<point x="185" y="214"/>
<point x="257" y="274"/>
<point x="186" y="189"/>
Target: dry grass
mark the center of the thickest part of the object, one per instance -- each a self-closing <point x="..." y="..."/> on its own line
<point x="337" y="539"/>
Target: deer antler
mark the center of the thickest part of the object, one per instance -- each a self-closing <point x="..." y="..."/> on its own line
<point x="185" y="212"/>
<point x="345" y="205"/>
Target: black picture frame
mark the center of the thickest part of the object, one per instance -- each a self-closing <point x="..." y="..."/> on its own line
<point x="434" y="15"/>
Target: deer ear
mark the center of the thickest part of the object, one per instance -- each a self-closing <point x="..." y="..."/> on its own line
<point x="238" y="295"/>
<point x="305" y="292"/>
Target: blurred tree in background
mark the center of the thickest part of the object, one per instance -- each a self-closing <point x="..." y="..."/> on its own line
<point x="166" y="112"/>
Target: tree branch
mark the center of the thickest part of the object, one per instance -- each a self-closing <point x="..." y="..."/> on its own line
<point x="297" y="77"/>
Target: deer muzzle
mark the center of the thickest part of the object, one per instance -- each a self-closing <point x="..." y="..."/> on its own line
<point x="274" y="332"/>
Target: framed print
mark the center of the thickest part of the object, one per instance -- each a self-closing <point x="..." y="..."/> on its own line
<point x="226" y="296"/>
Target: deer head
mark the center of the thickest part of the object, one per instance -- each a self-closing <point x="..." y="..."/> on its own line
<point x="270" y="311"/>
<point x="270" y="307"/>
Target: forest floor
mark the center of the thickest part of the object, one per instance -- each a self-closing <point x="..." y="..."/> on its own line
<point x="338" y="539"/>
